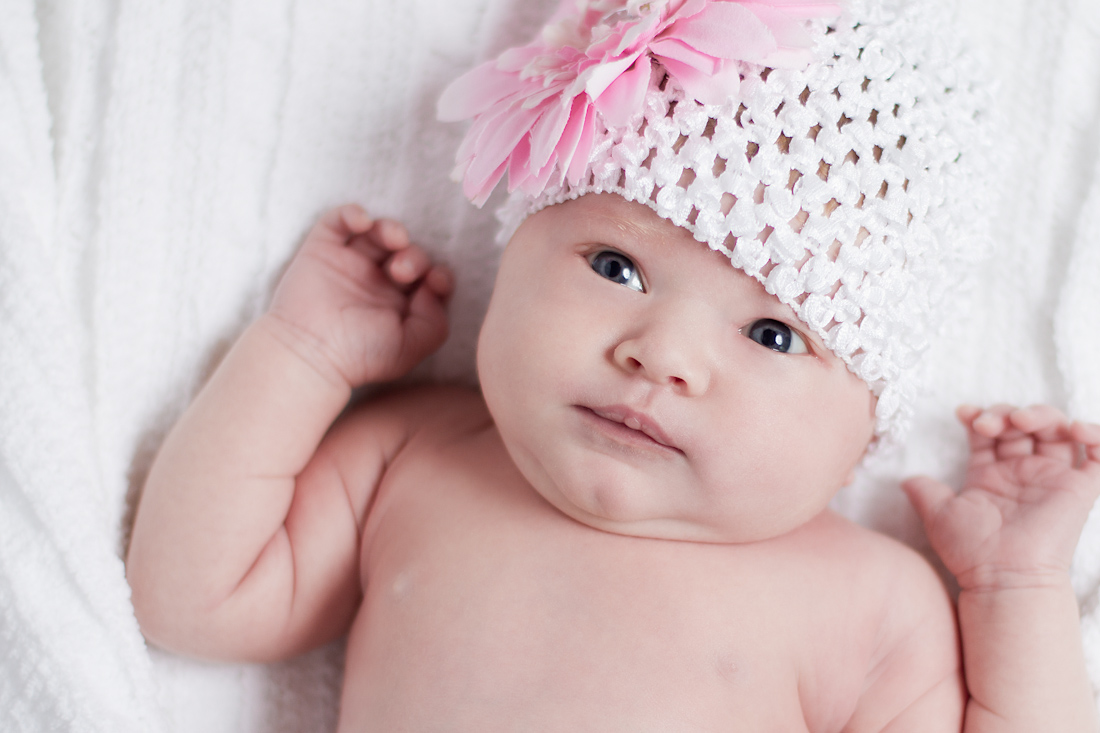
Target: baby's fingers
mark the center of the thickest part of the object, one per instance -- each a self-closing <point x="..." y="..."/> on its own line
<point x="1040" y="430"/>
<point x="381" y="240"/>
<point x="390" y="235"/>
<point x="441" y="281"/>
<point x="1046" y="422"/>
<point x="346" y="220"/>
<point x="414" y="267"/>
<point x="1004" y="432"/>
<point x="408" y="265"/>
<point x="1049" y="431"/>
<point x="991" y="422"/>
<point x="338" y="226"/>
<point x="1087" y="435"/>
<point x="425" y="325"/>
<point x="388" y="245"/>
<point x="985" y="427"/>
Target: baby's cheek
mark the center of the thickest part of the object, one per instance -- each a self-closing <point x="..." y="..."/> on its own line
<point x="844" y="430"/>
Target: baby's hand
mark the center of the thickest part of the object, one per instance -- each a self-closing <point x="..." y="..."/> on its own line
<point x="1031" y="482"/>
<point x="359" y="302"/>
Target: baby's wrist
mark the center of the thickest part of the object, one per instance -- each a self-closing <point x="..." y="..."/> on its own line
<point x="310" y="355"/>
<point x="988" y="580"/>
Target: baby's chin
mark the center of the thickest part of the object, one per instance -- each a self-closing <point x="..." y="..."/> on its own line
<point x="607" y="512"/>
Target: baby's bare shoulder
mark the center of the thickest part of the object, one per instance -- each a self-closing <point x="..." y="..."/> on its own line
<point x="843" y="540"/>
<point x="914" y="666"/>
<point x="908" y="592"/>
<point x="373" y="432"/>
<point x="836" y="541"/>
<point x="891" y="586"/>
<point x="913" y="589"/>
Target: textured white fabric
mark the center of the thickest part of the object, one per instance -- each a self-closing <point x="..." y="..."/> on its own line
<point x="849" y="189"/>
<point x="160" y="161"/>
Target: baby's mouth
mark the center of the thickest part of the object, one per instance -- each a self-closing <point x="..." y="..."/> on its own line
<point x="639" y="423"/>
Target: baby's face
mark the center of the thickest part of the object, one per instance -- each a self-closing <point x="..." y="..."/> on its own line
<point x="645" y="386"/>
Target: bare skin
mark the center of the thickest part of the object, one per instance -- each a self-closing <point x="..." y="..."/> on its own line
<point x="1008" y="537"/>
<point x="678" y="581"/>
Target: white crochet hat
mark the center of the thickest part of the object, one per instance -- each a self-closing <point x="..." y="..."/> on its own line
<point x="845" y="183"/>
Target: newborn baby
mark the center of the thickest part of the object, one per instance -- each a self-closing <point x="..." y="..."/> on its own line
<point x="628" y="527"/>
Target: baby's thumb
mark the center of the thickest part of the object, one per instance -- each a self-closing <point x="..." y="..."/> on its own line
<point x="927" y="495"/>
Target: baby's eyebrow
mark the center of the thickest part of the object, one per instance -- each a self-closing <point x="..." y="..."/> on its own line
<point x="630" y="228"/>
<point x="607" y="216"/>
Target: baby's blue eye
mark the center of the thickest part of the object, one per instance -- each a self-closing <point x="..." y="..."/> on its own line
<point x="776" y="336"/>
<point x="616" y="267"/>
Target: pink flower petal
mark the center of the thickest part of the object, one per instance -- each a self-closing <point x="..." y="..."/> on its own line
<point x="535" y="107"/>
<point x="534" y="183"/>
<point x="475" y="92"/>
<point x="579" y="164"/>
<point x="674" y="48"/>
<point x="519" y="167"/>
<point x="706" y="88"/>
<point x="602" y="76"/>
<point x="624" y="97"/>
<point x="546" y="133"/>
<point x="789" y="33"/>
<point x="571" y="135"/>
<point x="468" y="148"/>
<point x="497" y="141"/>
<point x="639" y="31"/>
<point x="478" y="195"/>
<point x="688" y="9"/>
<point x="541" y="96"/>
<point x="802" y="8"/>
<point x="725" y="30"/>
<point x="516" y="59"/>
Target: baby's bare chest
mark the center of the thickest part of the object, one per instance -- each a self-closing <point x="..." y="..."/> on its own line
<point x="486" y="609"/>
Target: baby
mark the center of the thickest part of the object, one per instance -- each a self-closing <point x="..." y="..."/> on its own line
<point x="628" y="529"/>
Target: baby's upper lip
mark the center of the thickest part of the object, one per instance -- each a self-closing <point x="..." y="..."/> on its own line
<point x="636" y="420"/>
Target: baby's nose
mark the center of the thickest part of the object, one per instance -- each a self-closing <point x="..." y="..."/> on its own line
<point x="669" y="351"/>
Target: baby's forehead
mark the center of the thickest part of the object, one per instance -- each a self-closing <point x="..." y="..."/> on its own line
<point x="611" y="219"/>
<point x="611" y="213"/>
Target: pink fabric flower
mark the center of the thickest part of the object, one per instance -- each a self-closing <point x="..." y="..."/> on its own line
<point x="535" y="106"/>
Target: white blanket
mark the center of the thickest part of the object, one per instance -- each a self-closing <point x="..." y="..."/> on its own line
<point x="159" y="162"/>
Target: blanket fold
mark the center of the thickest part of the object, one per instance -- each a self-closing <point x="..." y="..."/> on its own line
<point x="72" y="657"/>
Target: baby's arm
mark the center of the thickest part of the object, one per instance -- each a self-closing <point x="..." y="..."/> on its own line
<point x="1009" y="537"/>
<point x="245" y="543"/>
